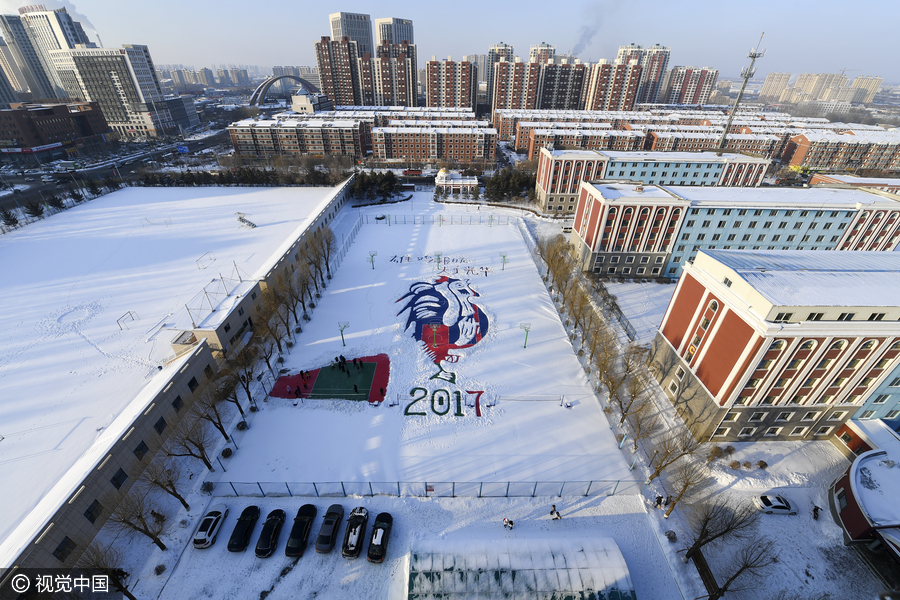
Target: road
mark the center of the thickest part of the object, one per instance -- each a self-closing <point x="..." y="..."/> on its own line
<point x="39" y="190"/>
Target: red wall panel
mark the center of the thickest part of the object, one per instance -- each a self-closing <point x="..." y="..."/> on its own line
<point x="684" y="304"/>
<point x="723" y="352"/>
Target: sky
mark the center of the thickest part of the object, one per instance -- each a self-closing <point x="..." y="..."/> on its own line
<point x="800" y="35"/>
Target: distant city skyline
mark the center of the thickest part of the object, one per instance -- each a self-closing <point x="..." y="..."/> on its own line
<point x="201" y="35"/>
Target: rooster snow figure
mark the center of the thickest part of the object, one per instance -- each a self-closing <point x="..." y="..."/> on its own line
<point x="444" y="319"/>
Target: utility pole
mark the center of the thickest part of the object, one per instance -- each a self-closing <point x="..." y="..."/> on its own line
<point x="746" y="74"/>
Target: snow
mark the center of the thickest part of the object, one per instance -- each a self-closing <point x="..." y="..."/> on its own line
<point x="644" y="304"/>
<point x="67" y="281"/>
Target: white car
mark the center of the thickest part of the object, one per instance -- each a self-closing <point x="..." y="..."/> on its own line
<point x="210" y="525"/>
<point x="774" y="505"/>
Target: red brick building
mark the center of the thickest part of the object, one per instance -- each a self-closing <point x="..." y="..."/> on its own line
<point x="337" y="62"/>
<point x="778" y="345"/>
<point x="462" y="145"/>
<point x="516" y="85"/>
<point x="878" y="151"/>
<point x="884" y="184"/>
<point x="583" y="139"/>
<point x="612" y="86"/>
<point x="263" y="138"/>
<point x="450" y="83"/>
<point x="30" y="125"/>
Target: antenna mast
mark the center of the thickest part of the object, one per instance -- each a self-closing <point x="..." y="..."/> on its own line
<point x="746" y="73"/>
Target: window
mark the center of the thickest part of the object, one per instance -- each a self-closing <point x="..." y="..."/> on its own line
<point x="613" y="260"/>
<point x="824" y="430"/>
<point x="64" y="549"/>
<point x="208" y="372"/>
<point x="119" y="479"/>
<point x="785" y="416"/>
<point x="824" y="363"/>
<point x="701" y="237"/>
<point x="227" y="327"/>
<point x="160" y="426"/>
<point x="895" y="382"/>
<point x="867" y="414"/>
<point x="714" y="306"/>
<point x="837" y="416"/>
<point x="764" y="365"/>
<point x="853" y="363"/>
<point x="881" y="399"/>
<point x="704" y="323"/>
<point x="840" y="498"/>
<point x="732" y="416"/>
<point x="721" y="431"/>
<point x="882" y="363"/>
<point x="846" y="317"/>
<point x="876" y="316"/>
<point x="193" y="385"/>
<point x="781" y="382"/>
<point x="93" y="511"/>
<point x="752" y="225"/>
<point x="141" y="450"/>
<point x="752" y="383"/>
<point x="680" y="373"/>
<point x="798" y="430"/>
<point x="673" y="387"/>
<point x="727" y="282"/>
<point x="777" y="345"/>
<point x="773" y="431"/>
<point x="757" y="416"/>
<point x="177" y="403"/>
<point x="815" y="316"/>
<point x="747" y="431"/>
<point x="706" y="224"/>
<point x="867" y="381"/>
<point x="746" y="238"/>
<point x="838" y="345"/>
<point x="240" y="312"/>
<point x="810" y="416"/>
<point x="892" y="415"/>
<point x="783" y="317"/>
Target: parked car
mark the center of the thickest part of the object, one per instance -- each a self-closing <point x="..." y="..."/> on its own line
<point x="356" y="533"/>
<point x="268" y="537"/>
<point x="381" y="533"/>
<point x="210" y="525"/>
<point x="774" y="505"/>
<point x="240" y="537"/>
<point x="29" y="179"/>
<point x="329" y="531"/>
<point x="296" y="542"/>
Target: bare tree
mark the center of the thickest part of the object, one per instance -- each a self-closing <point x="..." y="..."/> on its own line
<point x="714" y="519"/>
<point x="242" y="365"/>
<point x="107" y="559"/>
<point x="291" y="293"/>
<point x="139" y="513"/>
<point x="672" y="447"/>
<point x="634" y="387"/>
<point x="165" y="473"/>
<point x="192" y="438"/>
<point x="323" y="247"/>
<point x="750" y="560"/>
<point x="272" y="318"/>
<point x="686" y="480"/>
<point x="644" y="422"/>
<point x="267" y="351"/>
<point x="227" y="385"/>
<point x="208" y="407"/>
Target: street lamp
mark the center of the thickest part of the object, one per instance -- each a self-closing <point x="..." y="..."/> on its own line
<point x="527" y="328"/>
<point x="503" y="258"/>
<point x="342" y="325"/>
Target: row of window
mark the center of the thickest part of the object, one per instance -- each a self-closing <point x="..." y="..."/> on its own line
<point x="772" y="431"/>
<point x="746" y="238"/>
<point x="753" y="224"/>
<point x="772" y="213"/>
<point x="784" y="317"/>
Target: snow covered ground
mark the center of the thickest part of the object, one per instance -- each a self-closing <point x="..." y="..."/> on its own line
<point x="644" y="304"/>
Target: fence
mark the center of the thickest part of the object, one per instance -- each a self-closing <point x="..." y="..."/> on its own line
<point x="488" y="219"/>
<point x="348" y="238"/>
<point x="429" y="489"/>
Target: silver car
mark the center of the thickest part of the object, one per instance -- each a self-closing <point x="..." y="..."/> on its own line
<point x="774" y="505"/>
<point x="210" y="525"/>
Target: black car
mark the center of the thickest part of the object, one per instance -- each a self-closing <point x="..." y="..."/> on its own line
<point x="268" y="537"/>
<point x="296" y="543"/>
<point x="356" y="533"/>
<point x="240" y="537"/>
<point x="381" y="533"/>
<point x="329" y="532"/>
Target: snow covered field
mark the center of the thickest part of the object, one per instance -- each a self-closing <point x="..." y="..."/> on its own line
<point x="644" y="304"/>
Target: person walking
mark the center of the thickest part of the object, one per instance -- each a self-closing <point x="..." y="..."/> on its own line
<point x="557" y="516"/>
<point x="355" y="390"/>
<point x="659" y="500"/>
<point x="552" y="510"/>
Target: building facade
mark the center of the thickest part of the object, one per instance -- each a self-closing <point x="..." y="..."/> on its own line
<point x="653" y="61"/>
<point x="29" y="125"/>
<point x="870" y="84"/>
<point x="542" y="53"/>
<point x="878" y="151"/>
<point x="477" y="146"/>
<point x="338" y="64"/>
<point x="294" y="137"/>
<point x="606" y="235"/>
<point x="776" y="345"/>
<point x="394" y="31"/>
<point x="450" y="84"/>
<point x="355" y="27"/>
<point x="515" y="85"/>
<point x="689" y="85"/>
<point x="774" y="84"/>
<point x="560" y="172"/>
<point x="612" y="86"/>
<point x="26" y="54"/>
<point x="495" y="54"/>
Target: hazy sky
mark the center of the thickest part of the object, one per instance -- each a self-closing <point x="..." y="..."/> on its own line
<point x="801" y="35"/>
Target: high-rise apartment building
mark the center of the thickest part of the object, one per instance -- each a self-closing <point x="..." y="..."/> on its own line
<point x="560" y="86"/>
<point x="612" y="86"/>
<point x="337" y="62"/>
<point x="689" y="85"/>
<point x="356" y="27"/>
<point x="351" y="79"/>
<point x="239" y="76"/>
<point x="495" y="54"/>
<point x="480" y="62"/>
<point x="775" y="84"/>
<point x="812" y="86"/>
<point x="870" y="84"/>
<point x="450" y="83"/>
<point x="28" y="57"/>
<point x="122" y="81"/>
<point x="653" y="61"/>
<point x="205" y="77"/>
<point x="11" y="69"/>
<point x="391" y="78"/>
<point x="394" y="31"/>
<point x="223" y="77"/>
<point x="542" y="53"/>
<point x="515" y="85"/>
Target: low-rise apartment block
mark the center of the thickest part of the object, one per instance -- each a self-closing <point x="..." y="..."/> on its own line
<point x="460" y="145"/>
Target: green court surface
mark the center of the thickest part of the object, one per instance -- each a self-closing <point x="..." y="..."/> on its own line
<point x="334" y="383"/>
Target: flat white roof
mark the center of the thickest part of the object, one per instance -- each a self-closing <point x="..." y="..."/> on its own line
<point x="851" y="179"/>
<point x="811" y="198"/>
<point x="70" y="376"/>
<point x="613" y="191"/>
<point x="817" y="277"/>
<point x="311" y="123"/>
<point x="424" y="129"/>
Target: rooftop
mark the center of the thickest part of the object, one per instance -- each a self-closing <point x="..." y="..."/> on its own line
<point x="810" y="198"/>
<point x="85" y="371"/>
<point x="816" y="277"/>
<point x="852" y="179"/>
<point x="875" y="476"/>
<point x="610" y="190"/>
